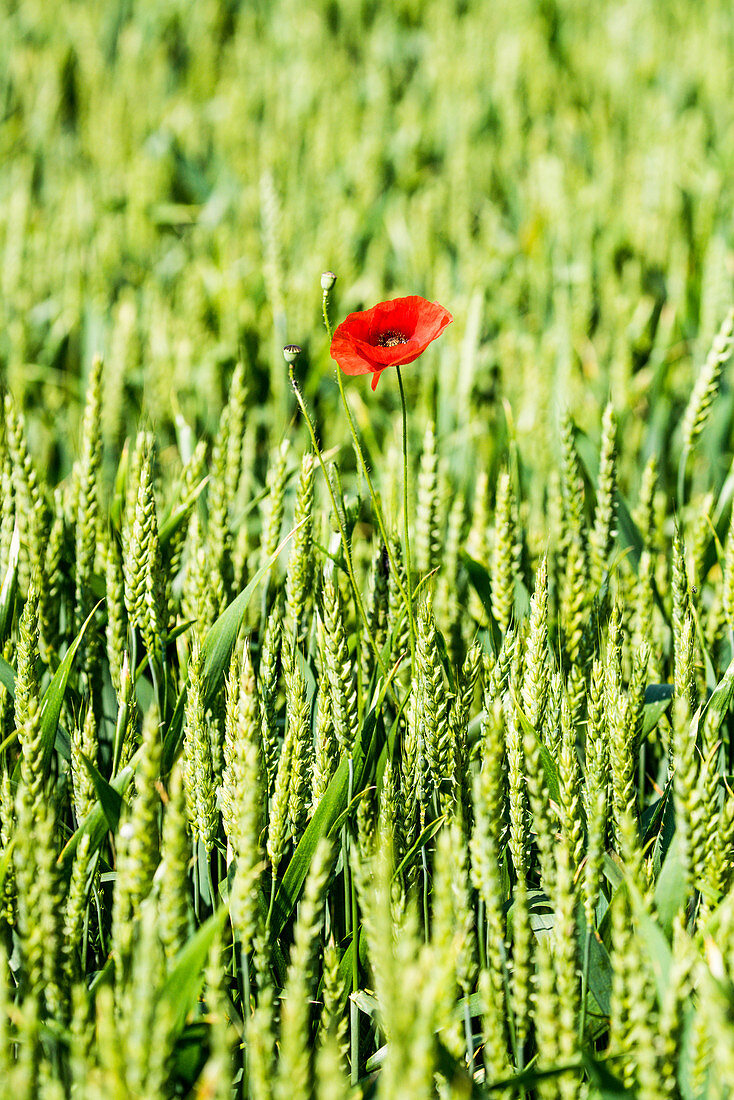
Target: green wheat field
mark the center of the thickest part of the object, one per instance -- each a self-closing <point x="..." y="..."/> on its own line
<point x="316" y="781"/>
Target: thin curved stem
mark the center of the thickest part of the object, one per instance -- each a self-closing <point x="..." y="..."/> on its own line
<point x="342" y="529"/>
<point x="424" y="862"/>
<point x="406" y="513"/>
<point x="325" y="311"/>
<point x="405" y="595"/>
<point x="352" y="911"/>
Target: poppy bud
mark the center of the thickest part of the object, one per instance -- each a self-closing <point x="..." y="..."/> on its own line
<point x="291" y="353"/>
<point x="327" y="280"/>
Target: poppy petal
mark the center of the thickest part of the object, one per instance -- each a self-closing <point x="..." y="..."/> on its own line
<point x="346" y="354"/>
<point x="362" y="343"/>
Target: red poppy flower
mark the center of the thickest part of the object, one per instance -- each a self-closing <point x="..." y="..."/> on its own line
<point x="390" y="334"/>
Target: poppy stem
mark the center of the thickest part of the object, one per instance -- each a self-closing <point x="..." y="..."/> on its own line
<point x="406" y="514"/>
<point x="342" y="529"/>
<point x="405" y="596"/>
<point x="378" y="511"/>
<point x="325" y="311"/>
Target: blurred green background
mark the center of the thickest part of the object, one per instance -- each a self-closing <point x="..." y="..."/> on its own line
<point x="175" y="175"/>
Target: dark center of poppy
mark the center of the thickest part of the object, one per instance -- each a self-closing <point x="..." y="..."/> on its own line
<point x="391" y="339"/>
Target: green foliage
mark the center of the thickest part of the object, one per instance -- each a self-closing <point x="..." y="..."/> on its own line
<point x="263" y="832"/>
